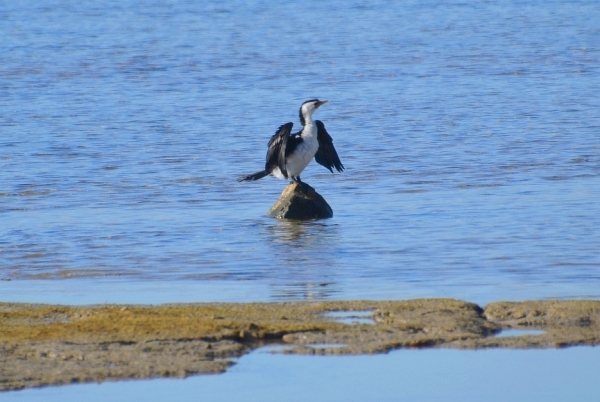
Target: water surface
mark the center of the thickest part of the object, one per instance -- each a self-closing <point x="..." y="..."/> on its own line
<point x="469" y="132"/>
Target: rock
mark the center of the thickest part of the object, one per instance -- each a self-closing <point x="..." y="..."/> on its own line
<point x="300" y="201"/>
<point x="39" y="347"/>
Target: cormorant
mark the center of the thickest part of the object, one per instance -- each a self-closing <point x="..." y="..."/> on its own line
<point x="288" y="155"/>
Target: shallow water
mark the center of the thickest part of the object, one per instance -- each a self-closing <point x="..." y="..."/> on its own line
<point x="469" y="133"/>
<point x="519" y="332"/>
<point x="405" y="375"/>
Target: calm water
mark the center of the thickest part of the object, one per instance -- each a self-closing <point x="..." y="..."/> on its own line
<point x="405" y="375"/>
<point x="470" y="133"/>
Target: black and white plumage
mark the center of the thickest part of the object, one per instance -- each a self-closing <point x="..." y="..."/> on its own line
<point x="288" y="155"/>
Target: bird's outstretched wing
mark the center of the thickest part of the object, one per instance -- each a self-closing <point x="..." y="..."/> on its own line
<point x="276" y="149"/>
<point x="327" y="155"/>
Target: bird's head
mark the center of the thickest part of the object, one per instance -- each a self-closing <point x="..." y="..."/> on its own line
<point x="308" y="108"/>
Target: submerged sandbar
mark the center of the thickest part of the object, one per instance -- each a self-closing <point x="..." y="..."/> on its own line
<point x="53" y="344"/>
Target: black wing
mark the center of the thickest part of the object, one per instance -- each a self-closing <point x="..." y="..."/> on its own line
<point x="276" y="149"/>
<point x="327" y="155"/>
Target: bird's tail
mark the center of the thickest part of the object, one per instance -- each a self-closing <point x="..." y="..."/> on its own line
<point x="254" y="176"/>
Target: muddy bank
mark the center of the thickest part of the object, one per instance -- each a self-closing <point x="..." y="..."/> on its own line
<point x="45" y="344"/>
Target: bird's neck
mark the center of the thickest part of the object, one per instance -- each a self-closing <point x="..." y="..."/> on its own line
<point x="310" y="128"/>
<point x="309" y="125"/>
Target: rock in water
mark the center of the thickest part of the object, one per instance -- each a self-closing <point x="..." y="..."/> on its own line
<point x="300" y="202"/>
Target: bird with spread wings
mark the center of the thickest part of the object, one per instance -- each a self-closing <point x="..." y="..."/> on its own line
<point x="289" y="154"/>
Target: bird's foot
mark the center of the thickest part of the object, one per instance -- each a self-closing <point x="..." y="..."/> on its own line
<point x="297" y="180"/>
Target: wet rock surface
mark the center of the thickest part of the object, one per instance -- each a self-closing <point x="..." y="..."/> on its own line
<point x="45" y="344"/>
<point x="302" y="202"/>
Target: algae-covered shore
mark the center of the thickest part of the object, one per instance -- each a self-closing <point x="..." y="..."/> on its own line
<point x="52" y="344"/>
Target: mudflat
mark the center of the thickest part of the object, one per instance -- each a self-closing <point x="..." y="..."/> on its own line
<point x="53" y="344"/>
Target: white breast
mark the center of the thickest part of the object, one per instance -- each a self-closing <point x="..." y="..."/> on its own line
<point x="303" y="154"/>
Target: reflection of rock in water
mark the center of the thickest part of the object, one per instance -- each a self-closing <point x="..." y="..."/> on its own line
<point x="300" y="202"/>
<point x="288" y="231"/>
<point x="304" y="254"/>
<point x="316" y="234"/>
<point x="304" y="291"/>
<point x="304" y="233"/>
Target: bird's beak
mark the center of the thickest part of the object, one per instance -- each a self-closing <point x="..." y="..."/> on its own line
<point x="319" y="103"/>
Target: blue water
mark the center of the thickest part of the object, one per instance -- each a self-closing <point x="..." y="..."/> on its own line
<point x="470" y="133"/>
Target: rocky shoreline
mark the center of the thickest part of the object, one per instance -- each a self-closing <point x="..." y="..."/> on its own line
<point x="44" y="345"/>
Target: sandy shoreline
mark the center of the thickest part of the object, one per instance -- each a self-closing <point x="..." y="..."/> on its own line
<point x="52" y="344"/>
